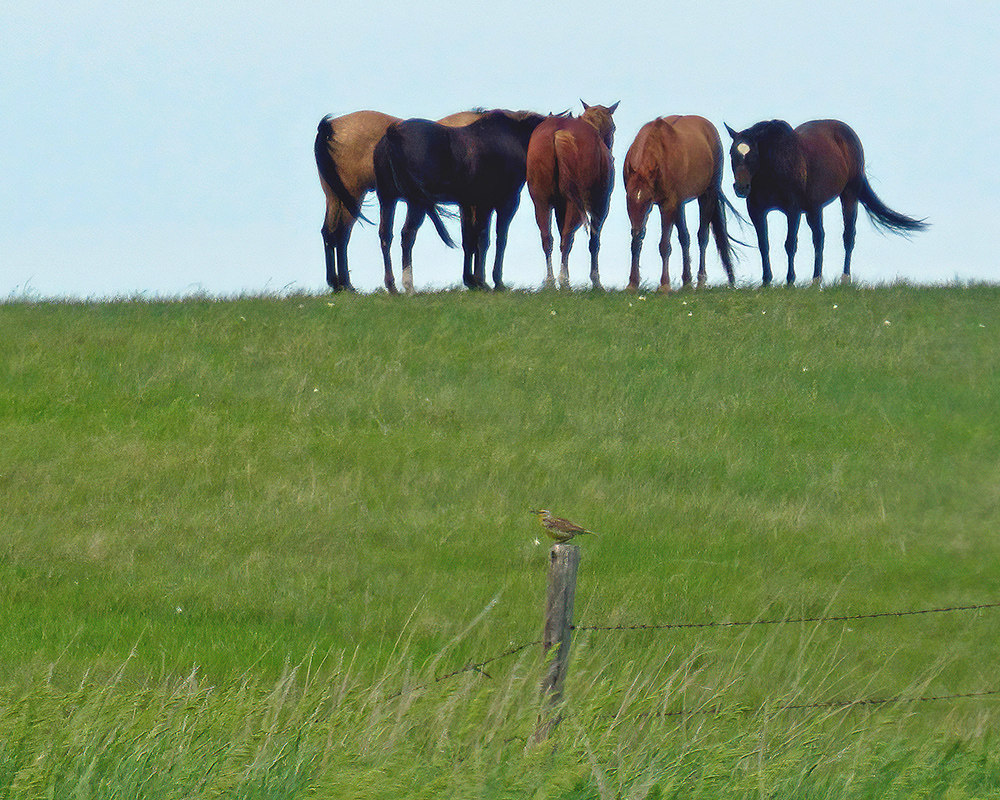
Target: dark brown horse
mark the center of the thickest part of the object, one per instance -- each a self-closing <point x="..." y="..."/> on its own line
<point x="803" y="170"/>
<point x="570" y="171"/>
<point x="480" y="167"/>
<point x="672" y="160"/>
<point x="343" y="149"/>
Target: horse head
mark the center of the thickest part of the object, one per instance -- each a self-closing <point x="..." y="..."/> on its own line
<point x="760" y="144"/>
<point x="600" y="118"/>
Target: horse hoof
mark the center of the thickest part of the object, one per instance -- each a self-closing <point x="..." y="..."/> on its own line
<point x="845" y="278"/>
<point x="701" y="283"/>
<point x="817" y="282"/>
<point x="499" y="286"/>
<point x="664" y="288"/>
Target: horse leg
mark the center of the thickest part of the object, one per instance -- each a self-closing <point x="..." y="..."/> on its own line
<point x="815" y="221"/>
<point x="758" y="217"/>
<point x="343" y="274"/>
<point x="543" y="218"/>
<point x="849" y="202"/>
<point x="638" y="216"/>
<point x="684" y="239"/>
<point x="504" y="217"/>
<point x="330" y="253"/>
<point x="470" y="247"/>
<point x="414" y="218"/>
<point x="570" y="223"/>
<point x="792" y="242"/>
<point x="595" y="247"/>
<point x="387" y="211"/>
<point x="668" y="218"/>
<point x="706" y="206"/>
<point x="482" y="227"/>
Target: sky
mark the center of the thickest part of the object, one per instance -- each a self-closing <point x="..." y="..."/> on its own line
<point x="166" y="150"/>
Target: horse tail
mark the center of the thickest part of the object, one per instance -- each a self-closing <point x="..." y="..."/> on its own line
<point x="328" y="168"/>
<point x="434" y="213"/>
<point x="723" y="241"/>
<point x="567" y="157"/>
<point x="884" y="217"/>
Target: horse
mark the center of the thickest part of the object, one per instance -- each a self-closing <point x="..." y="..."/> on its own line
<point x="344" y="149"/>
<point x="673" y="160"/>
<point x="803" y="170"/>
<point x="480" y="167"/>
<point x="570" y="170"/>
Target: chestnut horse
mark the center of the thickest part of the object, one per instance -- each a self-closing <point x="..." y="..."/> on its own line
<point x="672" y="160"/>
<point x="343" y="150"/>
<point x="803" y="170"/>
<point x="570" y="170"/>
<point x="480" y="167"/>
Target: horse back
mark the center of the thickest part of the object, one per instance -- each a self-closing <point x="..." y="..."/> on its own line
<point x="834" y="159"/>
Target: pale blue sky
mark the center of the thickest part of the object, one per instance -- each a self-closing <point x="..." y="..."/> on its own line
<point x="163" y="150"/>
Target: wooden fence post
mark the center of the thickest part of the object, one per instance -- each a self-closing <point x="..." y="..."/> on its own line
<point x="564" y="559"/>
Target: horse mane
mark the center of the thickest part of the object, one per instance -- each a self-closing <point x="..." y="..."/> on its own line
<point x="778" y="146"/>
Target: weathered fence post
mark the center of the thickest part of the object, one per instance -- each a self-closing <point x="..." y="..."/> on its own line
<point x="564" y="559"/>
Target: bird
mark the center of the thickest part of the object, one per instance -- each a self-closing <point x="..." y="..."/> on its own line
<point x="562" y="530"/>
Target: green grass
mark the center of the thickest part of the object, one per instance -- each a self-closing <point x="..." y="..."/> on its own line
<point x="241" y="539"/>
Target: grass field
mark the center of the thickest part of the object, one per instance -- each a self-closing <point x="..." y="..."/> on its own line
<point x="242" y="539"/>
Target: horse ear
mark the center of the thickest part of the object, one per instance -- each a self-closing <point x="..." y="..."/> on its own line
<point x="585" y="106"/>
<point x="611" y="110"/>
<point x="732" y="133"/>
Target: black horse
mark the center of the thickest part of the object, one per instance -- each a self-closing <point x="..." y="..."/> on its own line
<point x="480" y="167"/>
<point x="803" y="170"/>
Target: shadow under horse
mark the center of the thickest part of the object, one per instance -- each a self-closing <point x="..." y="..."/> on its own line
<point x="673" y="160"/>
<point x="571" y="172"/>
<point x="802" y="171"/>
<point x="344" y="150"/>
<point x="480" y="167"/>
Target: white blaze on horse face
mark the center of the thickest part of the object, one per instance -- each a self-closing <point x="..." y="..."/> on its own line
<point x="742" y="148"/>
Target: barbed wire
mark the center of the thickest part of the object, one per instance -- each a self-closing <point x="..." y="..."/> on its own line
<point x="868" y="701"/>
<point x="478" y="666"/>
<point x="745" y="623"/>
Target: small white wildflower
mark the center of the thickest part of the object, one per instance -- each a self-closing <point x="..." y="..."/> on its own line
<point x="684" y="302"/>
<point x="690" y="313"/>
<point x="315" y="390"/>
<point x="630" y="305"/>
<point x="537" y="542"/>
<point x="886" y="322"/>
<point x="329" y="305"/>
<point x="805" y="369"/>
<point x="178" y="610"/>
<point x="553" y="312"/>
<point x="834" y="305"/>
<point x="642" y="297"/>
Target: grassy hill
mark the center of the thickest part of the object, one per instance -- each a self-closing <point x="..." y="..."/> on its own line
<point x="242" y="539"/>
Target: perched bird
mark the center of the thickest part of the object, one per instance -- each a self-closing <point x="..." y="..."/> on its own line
<point x="562" y="530"/>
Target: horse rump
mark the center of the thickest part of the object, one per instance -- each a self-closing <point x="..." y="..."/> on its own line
<point x="328" y="168"/>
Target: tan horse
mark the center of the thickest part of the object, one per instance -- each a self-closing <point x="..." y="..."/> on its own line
<point x="570" y="171"/>
<point x="673" y="160"/>
<point x="343" y="148"/>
